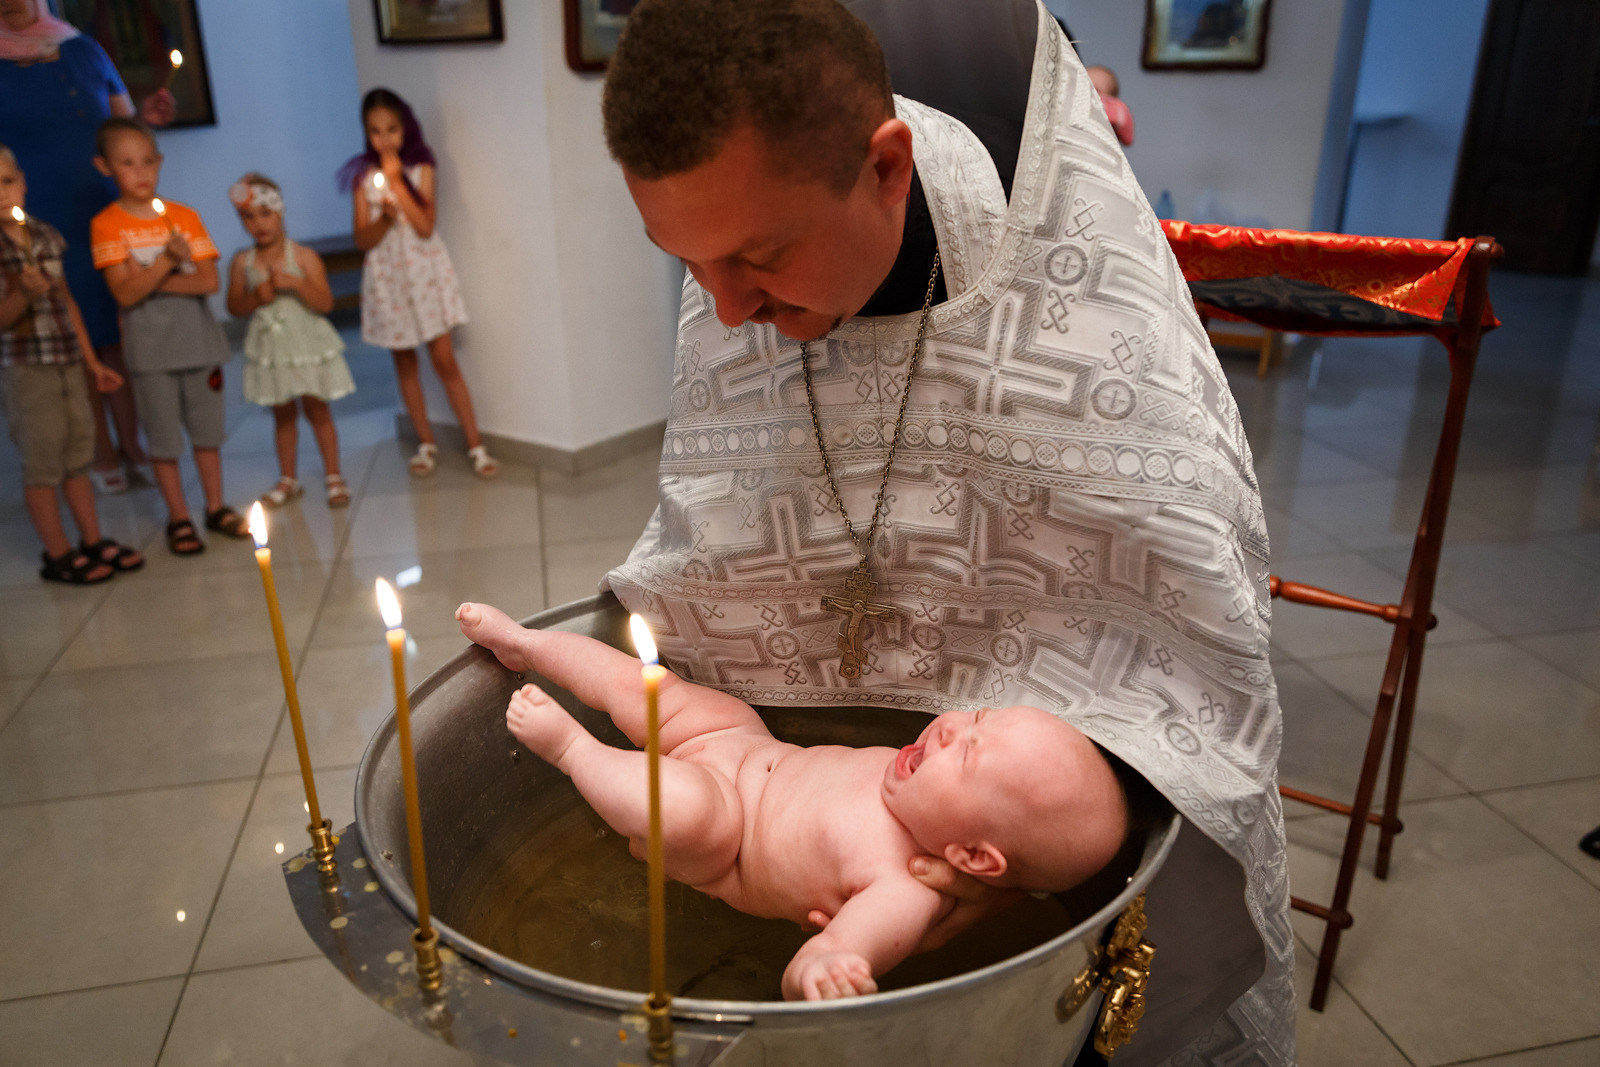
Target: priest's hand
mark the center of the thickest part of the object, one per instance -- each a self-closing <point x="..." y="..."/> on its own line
<point x="975" y="900"/>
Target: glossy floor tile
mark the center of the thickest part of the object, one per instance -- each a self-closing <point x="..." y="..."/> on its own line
<point x="147" y="764"/>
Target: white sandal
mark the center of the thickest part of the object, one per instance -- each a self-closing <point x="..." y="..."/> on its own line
<point x="423" y="463"/>
<point x="338" y="491"/>
<point x="483" y="464"/>
<point x="279" y="495"/>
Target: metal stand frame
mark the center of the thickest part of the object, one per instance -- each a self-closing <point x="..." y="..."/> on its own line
<point x="1412" y="618"/>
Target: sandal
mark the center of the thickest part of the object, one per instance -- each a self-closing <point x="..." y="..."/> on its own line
<point x="121" y="558"/>
<point x="74" y="568"/>
<point x="227" y="522"/>
<point x="483" y="464"/>
<point x="109" y="482"/>
<point x="279" y="495"/>
<point x="427" y="458"/>
<point x="182" y="540"/>
<point x="338" y="491"/>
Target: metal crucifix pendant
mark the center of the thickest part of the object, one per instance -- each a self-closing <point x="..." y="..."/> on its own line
<point x="855" y="603"/>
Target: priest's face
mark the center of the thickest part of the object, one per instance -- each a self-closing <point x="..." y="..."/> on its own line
<point x="771" y="245"/>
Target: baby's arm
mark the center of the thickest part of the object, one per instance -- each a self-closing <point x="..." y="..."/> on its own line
<point x="241" y="301"/>
<point x="608" y="679"/>
<point x="873" y="931"/>
<point x="312" y="285"/>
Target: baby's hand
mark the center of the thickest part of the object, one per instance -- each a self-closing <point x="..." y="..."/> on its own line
<point x="829" y="976"/>
<point x="265" y="293"/>
<point x="35" y="282"/>
<point x="283" y="281"/>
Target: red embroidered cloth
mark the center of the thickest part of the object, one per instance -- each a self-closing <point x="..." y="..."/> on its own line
<point x="1324" y="283"/>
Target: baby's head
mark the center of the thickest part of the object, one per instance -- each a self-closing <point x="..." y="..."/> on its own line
<point x="1013" y="796"/>
<point x="259" y="202"/>
<point x="1104" y="81"/>
<point x="125" y="151"/>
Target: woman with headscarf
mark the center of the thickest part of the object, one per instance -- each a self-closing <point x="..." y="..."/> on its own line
<point x="59" y="86"/>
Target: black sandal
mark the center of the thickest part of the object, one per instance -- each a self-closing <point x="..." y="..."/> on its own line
<point x="121" y="557"/>
<point x="183" y="540"/>
<point x="74" y="568"/>
<point x="227" y="522"/>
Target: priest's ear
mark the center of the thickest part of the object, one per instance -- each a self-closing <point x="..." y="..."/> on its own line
<point x="889" y="156"/>
<point x="981" y="860"/>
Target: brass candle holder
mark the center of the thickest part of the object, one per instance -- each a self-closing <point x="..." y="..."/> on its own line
<point x="425" y="939"/>
<point x="320" y="829"/>
<point x="658" y="1006"/>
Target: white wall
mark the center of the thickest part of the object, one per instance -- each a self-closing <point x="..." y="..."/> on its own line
<point x="572" y="309"/>
<point x="283" y="83"/>
<point x="1253" y="137"/>
<point x="1412" y="99"/>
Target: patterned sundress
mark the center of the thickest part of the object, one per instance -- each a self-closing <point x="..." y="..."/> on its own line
<point x="409" y="293"/>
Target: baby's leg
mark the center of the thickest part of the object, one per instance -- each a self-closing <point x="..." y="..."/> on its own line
<point x="701" y="817"/>
<point x="606" y="678"/>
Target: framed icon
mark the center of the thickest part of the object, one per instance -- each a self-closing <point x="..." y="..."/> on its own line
<point x="438" y="21"/>
<point x="1205" y="34"/>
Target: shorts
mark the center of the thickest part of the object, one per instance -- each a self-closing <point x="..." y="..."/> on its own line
<point x="171" y="401"/>
<point x="47" y="410"/>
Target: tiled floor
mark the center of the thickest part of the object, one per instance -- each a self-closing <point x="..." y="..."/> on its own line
<point x="147" y="774"/>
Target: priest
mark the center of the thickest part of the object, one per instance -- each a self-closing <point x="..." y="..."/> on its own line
<point x="945" y="431"/>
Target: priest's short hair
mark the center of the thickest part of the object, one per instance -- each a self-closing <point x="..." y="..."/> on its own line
<point x="805" y="74"/>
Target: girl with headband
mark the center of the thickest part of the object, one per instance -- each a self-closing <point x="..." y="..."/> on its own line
<point x="294" y="358"/>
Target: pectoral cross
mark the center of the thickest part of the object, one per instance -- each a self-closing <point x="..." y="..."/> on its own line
<point x="856" y="603"/>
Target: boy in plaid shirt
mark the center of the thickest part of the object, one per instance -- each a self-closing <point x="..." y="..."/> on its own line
<point x="44" y="393"/>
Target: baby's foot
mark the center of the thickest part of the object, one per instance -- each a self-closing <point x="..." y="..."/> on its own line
<point x="498" y="632"/>
<point x="541" y="724"/>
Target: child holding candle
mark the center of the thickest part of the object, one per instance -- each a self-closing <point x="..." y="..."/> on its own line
<point x="1015" y="797"/>
<point x="44" y="347"/>
<point x="160" y="265"/>
<point x="294" y="358"/>
<point x="409" y="295"/>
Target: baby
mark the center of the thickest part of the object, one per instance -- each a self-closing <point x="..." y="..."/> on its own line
<point x="1012" y="796"/>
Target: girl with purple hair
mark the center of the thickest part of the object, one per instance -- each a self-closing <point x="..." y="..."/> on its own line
<point x="409" y="295"/>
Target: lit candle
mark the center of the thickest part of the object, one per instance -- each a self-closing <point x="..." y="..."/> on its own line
<point x="176" y="57"/>
<point x="161" y="209"/>
<point x="21" y="218"/>
<point x="424" y="940"/>
<point x="319" y="828"/>
<point x="657" y="1007"/>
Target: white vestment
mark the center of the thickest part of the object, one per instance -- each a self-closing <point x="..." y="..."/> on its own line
<point x="1073" y="523"/>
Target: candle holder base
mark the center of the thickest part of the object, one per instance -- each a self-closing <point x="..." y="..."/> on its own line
<point x="659" y="1013"/>
<point x="430" y="969"/>
<point x="322" y="845"/>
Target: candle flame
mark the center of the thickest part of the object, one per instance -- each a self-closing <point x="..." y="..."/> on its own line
<point x="642" y="639"/>
<point x="155" y="202"/>
<point x="377" y="180"/>
<point x="388" y="604"/>
<point x="258" y="524"/>
<point x="16" y="213"/>
<point x="177" y="58"/>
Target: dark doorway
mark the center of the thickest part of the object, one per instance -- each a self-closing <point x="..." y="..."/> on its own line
<point x="1530" y="161"/>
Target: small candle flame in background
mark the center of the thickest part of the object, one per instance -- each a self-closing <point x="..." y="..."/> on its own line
<point x="258" y="524"/>
<point x="176" y="57"/>
<point x="388" y="604"/>
<point x="377" y="181"/>
<point x="161" y="209"/>
<point x="642" y="639"/>
<point x="16" y="213"/>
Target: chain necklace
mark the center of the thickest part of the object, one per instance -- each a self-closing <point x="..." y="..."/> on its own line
<point x="855" y="602"/>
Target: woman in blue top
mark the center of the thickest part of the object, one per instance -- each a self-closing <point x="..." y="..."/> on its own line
<point x="58" y="86"/>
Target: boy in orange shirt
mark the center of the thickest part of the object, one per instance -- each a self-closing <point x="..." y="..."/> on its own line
<point x="160" y="265"/>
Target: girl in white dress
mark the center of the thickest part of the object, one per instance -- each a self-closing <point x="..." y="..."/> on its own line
<point x="294" y="358"/>
<point x="409" y="295"/>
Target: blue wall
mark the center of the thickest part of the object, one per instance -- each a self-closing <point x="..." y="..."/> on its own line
<point x="1412" y="99"/>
